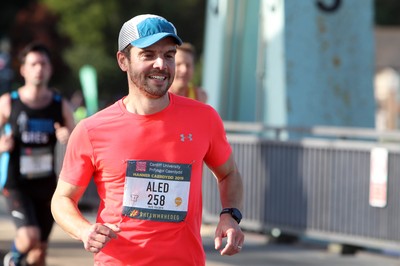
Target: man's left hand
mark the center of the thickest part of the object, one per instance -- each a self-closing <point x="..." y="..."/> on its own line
<point x="230" y="229"/>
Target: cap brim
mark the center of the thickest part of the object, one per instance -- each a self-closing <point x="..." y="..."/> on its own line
<point x="150" y="40"/>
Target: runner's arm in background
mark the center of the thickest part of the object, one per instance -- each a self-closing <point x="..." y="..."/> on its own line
<point x="63" y="132"/>
<point x="6" y="141"/>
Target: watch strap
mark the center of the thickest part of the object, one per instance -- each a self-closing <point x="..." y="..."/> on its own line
<point x="232" y="212"/>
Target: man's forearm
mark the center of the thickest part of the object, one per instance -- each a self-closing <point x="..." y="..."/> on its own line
<point x="68" y="216"/>
<point x="231" y="191"/>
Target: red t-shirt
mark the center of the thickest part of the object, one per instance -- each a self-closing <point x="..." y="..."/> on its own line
<point x="113" y="145"/>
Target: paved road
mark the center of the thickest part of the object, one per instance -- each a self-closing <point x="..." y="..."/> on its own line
<point x="257" y="251"/>
<point x="64" y="251"/>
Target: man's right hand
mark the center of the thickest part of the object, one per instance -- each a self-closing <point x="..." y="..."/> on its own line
<point x="98" y="235"/>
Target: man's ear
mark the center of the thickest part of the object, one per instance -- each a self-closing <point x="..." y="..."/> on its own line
<point x="122" y="61"/>
<point x="22" y="70"/>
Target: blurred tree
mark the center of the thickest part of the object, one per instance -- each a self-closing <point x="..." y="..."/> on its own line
<point x="88" y="24"/>
<point x="9" y="9"/>
<point x="35" y="22"/>
<point x="83" y="32"/>
<point x="32" y="21"/>
<point x="93" y="27"/>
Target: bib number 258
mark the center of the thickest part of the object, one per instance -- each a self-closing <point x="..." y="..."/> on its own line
<point x="156" y="200"/>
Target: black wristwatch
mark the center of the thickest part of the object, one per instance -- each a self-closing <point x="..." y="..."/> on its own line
<point x="235" y="213"/>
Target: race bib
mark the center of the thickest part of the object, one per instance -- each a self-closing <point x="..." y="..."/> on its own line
<point x="36" y="162"/>
<point x="156" y="191"/>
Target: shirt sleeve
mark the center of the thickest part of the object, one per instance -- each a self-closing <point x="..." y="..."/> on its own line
<point x="78" y="166"/>
<point x="219" y="149"/>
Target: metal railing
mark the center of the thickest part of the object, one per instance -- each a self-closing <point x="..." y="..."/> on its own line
<point x="317" y="185"/>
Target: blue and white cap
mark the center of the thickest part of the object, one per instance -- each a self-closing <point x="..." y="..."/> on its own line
<point x="145" y="30"/>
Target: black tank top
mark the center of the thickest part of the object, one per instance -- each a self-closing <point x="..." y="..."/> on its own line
<point x="32" y="159"/>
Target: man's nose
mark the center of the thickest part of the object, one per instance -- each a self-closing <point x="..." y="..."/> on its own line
<point x="160" y="63"/>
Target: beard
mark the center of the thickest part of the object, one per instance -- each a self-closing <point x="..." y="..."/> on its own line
<point x="143" y="82"/>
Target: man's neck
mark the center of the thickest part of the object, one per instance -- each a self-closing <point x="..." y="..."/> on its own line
<point x="138" y="104"/>
<point x="35" y="96"/>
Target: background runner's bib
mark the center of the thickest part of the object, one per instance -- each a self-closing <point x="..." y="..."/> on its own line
<point x="36" y="162"/>
<point x="156" y="191"/>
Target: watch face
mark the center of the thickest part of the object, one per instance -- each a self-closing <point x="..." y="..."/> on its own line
<point x="237" y="213"/>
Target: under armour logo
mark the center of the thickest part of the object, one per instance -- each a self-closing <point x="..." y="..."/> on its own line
<point x="188" y="137"/>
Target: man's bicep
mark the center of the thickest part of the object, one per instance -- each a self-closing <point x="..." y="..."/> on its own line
<point x="227" y="168"/>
